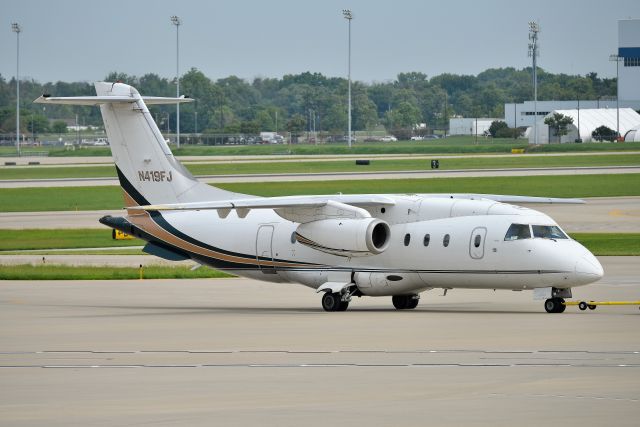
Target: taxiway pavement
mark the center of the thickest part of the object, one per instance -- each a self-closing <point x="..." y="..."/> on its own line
<point x="241" y="352"/>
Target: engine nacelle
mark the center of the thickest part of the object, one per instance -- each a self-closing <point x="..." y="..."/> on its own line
<point x="346" y="237"/>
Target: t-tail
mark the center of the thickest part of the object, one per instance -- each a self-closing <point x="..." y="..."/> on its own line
<point x="147" y="169"/>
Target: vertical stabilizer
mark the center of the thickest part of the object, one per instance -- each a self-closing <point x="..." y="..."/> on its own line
<point x="147" y="170"/>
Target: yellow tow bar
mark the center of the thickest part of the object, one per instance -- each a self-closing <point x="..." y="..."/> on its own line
<point x="591" y="305"/>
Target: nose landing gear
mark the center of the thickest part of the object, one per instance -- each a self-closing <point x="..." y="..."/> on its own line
<point x="555" y="305"/>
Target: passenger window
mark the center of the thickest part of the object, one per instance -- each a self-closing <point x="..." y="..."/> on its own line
<point x="477" y="240"/>
<point x="548" y="232"/>
<point x="445" y="241"/>
<point x="427" y="238"/>
<point x="407" y="239"/>
<point x="517" y="232"/>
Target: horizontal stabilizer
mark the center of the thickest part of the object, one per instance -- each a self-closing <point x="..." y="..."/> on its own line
<point x="99" y="100"/>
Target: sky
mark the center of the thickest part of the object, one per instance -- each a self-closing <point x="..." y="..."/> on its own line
<point x="84" y="40"/>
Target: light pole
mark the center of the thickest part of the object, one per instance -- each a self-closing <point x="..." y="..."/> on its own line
<point x="615" y="57"/>
<point x="534" y="29"/>
<point x="15" y="27"/>
<point x="177" y="22"/>
<point x="349" y="16"/>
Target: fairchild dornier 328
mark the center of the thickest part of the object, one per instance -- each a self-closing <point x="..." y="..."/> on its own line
<point x="340" y="245"/>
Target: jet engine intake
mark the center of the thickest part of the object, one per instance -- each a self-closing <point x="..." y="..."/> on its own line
<point x="346" y="237"/>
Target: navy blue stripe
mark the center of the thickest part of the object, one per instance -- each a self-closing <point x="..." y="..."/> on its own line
<point x="130" y="189"/>
<point x="164" y="224"/>
<point x="629" y="52"/>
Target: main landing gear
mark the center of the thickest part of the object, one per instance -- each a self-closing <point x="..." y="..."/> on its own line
<point x="554" y="305"/>
<point x="332" y="301"/>
<point x="405" y="302"/>
<point x="339" y="301"/>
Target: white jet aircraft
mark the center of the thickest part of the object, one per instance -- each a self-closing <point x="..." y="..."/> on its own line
<point x="340" y="245"/>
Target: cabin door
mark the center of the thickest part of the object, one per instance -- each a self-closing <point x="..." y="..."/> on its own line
<point x="264" y="249"/>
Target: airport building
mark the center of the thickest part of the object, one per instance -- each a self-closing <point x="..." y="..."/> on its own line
<point x="628" y="69"/>
<point x="586" y="121"/>
<point x="523" y="115"/>
<point x="629" y="59"/>
<point x="469" y="126"/>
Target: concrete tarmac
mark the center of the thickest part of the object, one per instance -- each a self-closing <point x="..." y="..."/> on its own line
<point x="239" y="352"/>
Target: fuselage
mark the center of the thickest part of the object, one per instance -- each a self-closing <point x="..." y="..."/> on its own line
<point x="342" y="245"/>
<point x="435" y="242"/>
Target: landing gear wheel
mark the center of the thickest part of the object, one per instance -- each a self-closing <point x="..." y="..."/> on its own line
<point x="404" y="302"/>
<point x="343" y="306"/>
<point x="592" y="307"/>
<point x="331" y="301"/>
<point x="399" y="301"/>
<point x="554" y="305"/>
<point x="412" y="303"/>
<point x="582" y="305"/>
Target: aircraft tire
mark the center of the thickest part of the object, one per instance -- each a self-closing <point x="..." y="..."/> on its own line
<point x="592" y="307"/>
<point x="554" y="305"/>
<point x="343" y="306"/>
<point x="582" y="305"/>
<point x="561" y="306"/>
<point x="399" y="301"/>
<point x="331" y="301"/>
<point x="412" y="303"/>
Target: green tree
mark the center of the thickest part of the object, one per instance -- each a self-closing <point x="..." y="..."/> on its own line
<point x="335" y="119"/>
<point x="250" y="127"/>
<point x="559" y="123"/>
<point x="496" y="126"/>
<point x="364" y="113"/>
<point x="59" y="127"/>
<point x="36" y="123"/>
<point x="603" y="133"/>
<point x="265" y="120"/>
<point x="296" y="125"/>
<point x="401" y="121"/>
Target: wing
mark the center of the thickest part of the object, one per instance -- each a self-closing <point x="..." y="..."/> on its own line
<point x="294" y="208"/>
<point x="506" y="198"/>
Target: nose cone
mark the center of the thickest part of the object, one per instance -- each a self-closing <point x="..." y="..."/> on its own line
<point x="588" y="269"/>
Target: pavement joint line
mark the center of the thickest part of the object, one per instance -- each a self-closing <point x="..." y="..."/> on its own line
<point x="563" y="396"/>
<point x="418" y="351"/>
<point x="328" y="365"/>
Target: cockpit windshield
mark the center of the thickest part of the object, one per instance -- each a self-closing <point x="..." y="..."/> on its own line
<point x="524" y="231"/>
<point x="517" y="232"/>
<point x="548" y="232"/>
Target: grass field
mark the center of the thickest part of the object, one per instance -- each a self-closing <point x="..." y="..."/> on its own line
<point x="604" y="244"/>
<point x="110" y="197"/>
<point x="63" y="272"/>
<point x="14" y="240"/>
<point x="35" y="172"/>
